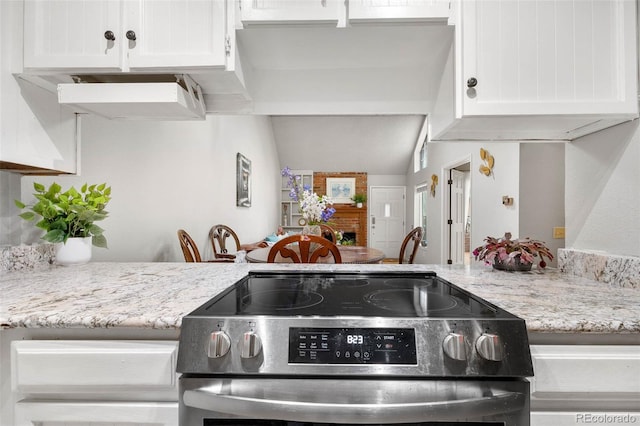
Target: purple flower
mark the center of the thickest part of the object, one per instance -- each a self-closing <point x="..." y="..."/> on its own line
<point x="327" y="213"/>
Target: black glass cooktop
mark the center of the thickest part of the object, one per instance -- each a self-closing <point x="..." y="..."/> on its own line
<point x="388" y="294"/>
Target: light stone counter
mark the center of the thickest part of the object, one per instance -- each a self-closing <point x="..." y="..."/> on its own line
<point x="158" y="295"/>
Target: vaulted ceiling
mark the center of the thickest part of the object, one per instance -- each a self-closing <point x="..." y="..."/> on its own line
<point x="345" y="99"/>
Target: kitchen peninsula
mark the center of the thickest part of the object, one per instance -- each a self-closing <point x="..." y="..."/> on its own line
<point x="140" y="306"/>
<point x="156" y="295"/>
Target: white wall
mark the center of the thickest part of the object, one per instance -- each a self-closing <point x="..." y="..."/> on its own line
<point x="542" y="193"/>
<point x="170" y="175"/>
<point x="602" y="200"/>
<point x="386" y="180"/>
<point x="9" y="221"/>
<point x="488" y="215"/>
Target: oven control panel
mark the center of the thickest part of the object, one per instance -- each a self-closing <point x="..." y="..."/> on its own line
<point x="352" y="346"/>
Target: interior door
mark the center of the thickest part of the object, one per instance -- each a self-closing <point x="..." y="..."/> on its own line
<point x="387" y="214"/>
<point x="457" y="217"/>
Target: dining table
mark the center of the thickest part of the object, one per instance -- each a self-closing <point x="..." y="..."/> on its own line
<point x="349" y="254"/>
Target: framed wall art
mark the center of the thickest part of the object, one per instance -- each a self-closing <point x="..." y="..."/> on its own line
<point x="341" y="189"/>
<point x="243" y="181"/>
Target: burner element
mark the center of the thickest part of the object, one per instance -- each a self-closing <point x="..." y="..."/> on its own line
<point x="282" y="299"/>
<point x="407" y="300"/>
<point x="408" y="282"/>
<point x="352" y="283"/>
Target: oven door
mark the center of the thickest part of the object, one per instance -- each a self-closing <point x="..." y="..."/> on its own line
<point x="351" y="401"/>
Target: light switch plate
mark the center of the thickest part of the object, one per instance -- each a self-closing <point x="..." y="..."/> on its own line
<point x="558" y="232"/>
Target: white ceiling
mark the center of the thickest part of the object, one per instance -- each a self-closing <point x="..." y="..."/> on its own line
<point x="374" y="144"/>
<point x="345" y="99"/>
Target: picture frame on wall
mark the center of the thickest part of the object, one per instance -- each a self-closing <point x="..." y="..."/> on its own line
<point x="340" y="190"/>
<point x="243" y="181"/>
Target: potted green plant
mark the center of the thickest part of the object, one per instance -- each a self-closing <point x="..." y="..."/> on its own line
<point x="512" y="255"/>
<point x="68" y="218"/>
<point x="359" y="199"/>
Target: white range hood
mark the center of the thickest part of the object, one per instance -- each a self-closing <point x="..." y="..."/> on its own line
<point x="137" y="97"/>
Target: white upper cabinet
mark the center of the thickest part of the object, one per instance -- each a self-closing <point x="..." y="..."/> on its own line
<point x="334" y="12"/>
<point x="37" y="135"/>
<point x="291" y="11"/>
<point x="398" y="10"/>
<point x="538" y="70"/>
<point x="123" y="35"/>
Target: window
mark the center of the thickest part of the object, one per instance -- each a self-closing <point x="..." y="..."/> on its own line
<point x="420" y="151"/>
<point x="423" y="155"/>
<point x="421" y="210"/>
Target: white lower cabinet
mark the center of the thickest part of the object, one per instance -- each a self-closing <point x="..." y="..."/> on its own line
<point x="58" y="413"/>
<point x="94" y="382"/>
<point x="573" y="418"/>
<point x="585" y="384"/>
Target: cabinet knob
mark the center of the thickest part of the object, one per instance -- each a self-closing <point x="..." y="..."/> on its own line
<point x="109" y="35"/>
<point x="131" y="35"/>
<point x="472" y="82"/>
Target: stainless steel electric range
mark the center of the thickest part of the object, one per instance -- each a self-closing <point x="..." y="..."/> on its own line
<point x="317" y="348"/>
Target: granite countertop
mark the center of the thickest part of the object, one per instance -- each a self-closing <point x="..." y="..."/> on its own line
<point x="158" y="295"/>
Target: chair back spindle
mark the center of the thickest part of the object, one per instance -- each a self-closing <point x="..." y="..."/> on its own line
<point x="304" y="249"/>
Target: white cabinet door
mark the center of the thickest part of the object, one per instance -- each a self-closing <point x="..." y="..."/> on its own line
<point x="576" y="384"/>
<point x="174" y="33"/>
<point x="548" y="57"/>
<point x="76" y="34"/>
<point x="119" y="35"/>
<point x="573" y="418"/>
<point x="94" y="382"/>
<point x="398" y="10"/>
<point x="291" y="11"/>
<point x="38" y="134"/>
<point x="93" y="413"/>
<point x="537" y="70"/>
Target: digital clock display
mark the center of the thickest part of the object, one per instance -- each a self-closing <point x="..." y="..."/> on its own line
<point x="352" y="346"/>
<point x="355" y="339"/>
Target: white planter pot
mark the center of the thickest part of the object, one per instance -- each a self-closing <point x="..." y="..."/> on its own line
<point x="359" y="205"/>
<point x="76" y="251"/>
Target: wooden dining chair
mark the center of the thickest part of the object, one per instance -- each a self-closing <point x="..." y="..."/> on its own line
<point x="221" y="235"/>
<point x="414" y="237"/>
<point x="328" y="232"/>
<point x="188" y="246"/>
<point x="304" y="249"/>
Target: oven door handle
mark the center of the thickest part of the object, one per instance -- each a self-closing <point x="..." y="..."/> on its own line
<point x="497" y="403"/>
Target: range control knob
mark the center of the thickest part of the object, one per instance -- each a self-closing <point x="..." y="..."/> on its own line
<point x="489" y="347"/>
<point x="454" y="346"/>
<point x="219" y="344"/>
<point x="251" y="345"/>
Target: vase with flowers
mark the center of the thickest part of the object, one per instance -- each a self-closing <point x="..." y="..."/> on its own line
<point x="512" y="255"/>
<point x="315" y="209"/>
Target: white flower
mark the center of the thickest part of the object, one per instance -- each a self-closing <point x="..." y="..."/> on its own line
<point x="315" y="209"/>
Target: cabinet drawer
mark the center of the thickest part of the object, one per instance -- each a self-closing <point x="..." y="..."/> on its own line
<point x="100" y="365"/>
<point x="585" y="369"/>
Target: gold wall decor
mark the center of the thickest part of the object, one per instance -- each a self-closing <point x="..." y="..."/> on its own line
<point x="434" y="184"/>
<point x="486" y="168"/>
